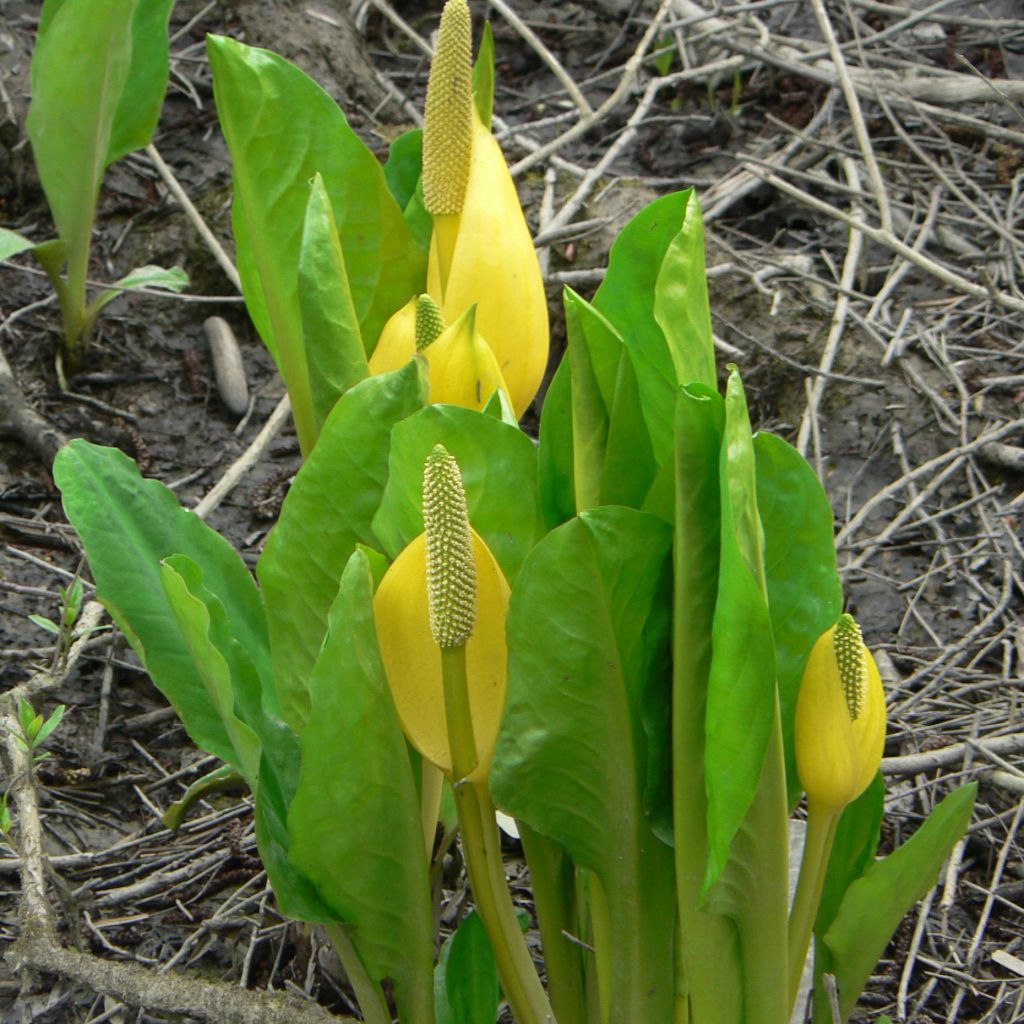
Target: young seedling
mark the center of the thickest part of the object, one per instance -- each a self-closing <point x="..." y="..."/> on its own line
<point x="85" y="114"/>
<point x="33" y="730"/>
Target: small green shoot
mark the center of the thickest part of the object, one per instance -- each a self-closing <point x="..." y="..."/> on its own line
<point x="33" y="730"/>
<point x="665" y="54"/>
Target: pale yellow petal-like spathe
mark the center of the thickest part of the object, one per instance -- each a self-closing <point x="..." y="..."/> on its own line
<point x="869" y="728"/>
<point x="837" y="756"/>
<point x="412" y="660"/>
<point x="495" y="266"/>
<point x="397" y="342"/>
<point x="462" y="368"/>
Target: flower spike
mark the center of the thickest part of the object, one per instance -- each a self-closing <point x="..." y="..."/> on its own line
<point x="451" y="572"/>
<point x="448" y="118"/>
<point x="429" y="322"/>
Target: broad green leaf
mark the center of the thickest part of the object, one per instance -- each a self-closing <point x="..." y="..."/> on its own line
<point x="355" y="819"/>
<point x="681" y="300"/>
<point x="875" y="904"/>
<point x="12" y="243"/>
<point x="555" y="457"/>
<point x="335" y="357"/>
<point x="71" y="118"/>
<point x="128" y="525"/>
<point x="709" y="950"/>
<point x="138" y="108"/>
<point x="483" y="77"/>
<point x="182" y="583"/>
<point x="498" y="463"/>
<point x="329" y="509"/>
<point x="741" y="686"/>
<point x="466" y="979"/>
<point x="296" y="894"/>
<point x="804" y="594"/>
<point x="172" y="279"/>
<point x="586" y="625"/>
<point x="627" y="297"/>
<point x="281" y="129"/>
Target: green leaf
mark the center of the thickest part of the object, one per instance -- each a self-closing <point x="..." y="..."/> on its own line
<point x="335" y="356"/>
<point x="466" y="979"/>
<point x="744" y="768"/>
<point x="593" y="355"/>
<point x="681" y="300"/>
<point x="26" y="716"/>
<point x="555" y="457"/>
<point x="329" y="509"/>
<point x="128" y="525"/>
<point x="44" y="623"/>
<point x="297" y="896"/>
<point x="741" y="685"/>
<point x="875" y="904"/>
<point x="173" y="279"/>
<point x="651" y="248"/>
<point x="71" y="119"/>
<point x="281" y="129"/>
<point x="182" y="582"/>
<point x="50" y="724"/>
<point x="483" y="77"/>
<point x="355" y="819"/>
<point x="138" y="108"/>
<point x="12" y="243"/>
<point x="403" y="166"/>
<point x="586" y="626"/>
<point x="804" y="593"/>
<point x="853" y="849"/>
<point x="498" y="463"/>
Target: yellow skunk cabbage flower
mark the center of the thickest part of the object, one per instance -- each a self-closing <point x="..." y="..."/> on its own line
<point x="445" y="590"/>
<point x="481" y="251"/>
<point x="463" y="370"/>
<point x="840" y="718"/>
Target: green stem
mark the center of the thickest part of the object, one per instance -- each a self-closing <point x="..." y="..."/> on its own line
<point x="74" y="306"/>
<point x="482" y="848"/>
<point x="372" y="1003"/>
<point x="821" y="830"/>
<point x="552" y="880"/>
<point x="601" y="925"/>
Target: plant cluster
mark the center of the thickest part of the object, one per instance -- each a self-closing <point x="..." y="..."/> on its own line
<point x="629" y="637"/>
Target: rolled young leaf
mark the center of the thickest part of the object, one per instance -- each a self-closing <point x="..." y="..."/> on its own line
<point x="335" y="356"/>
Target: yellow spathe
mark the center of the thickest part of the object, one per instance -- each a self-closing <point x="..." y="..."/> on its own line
<point x="493" y="264"/>
<point x="840" y="718"/>
<point x="462" y="368"/>
<point x="412" y="659"/>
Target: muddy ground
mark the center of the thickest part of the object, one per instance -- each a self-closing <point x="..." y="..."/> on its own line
<point x="923" y="369"/>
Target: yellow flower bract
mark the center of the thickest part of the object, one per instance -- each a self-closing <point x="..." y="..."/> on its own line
<point x="412" y="660"/>
<point x="839" y="735"/>
<point x="493" y="264"/>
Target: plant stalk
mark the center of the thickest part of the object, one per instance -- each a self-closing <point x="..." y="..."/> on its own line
<point x="482" y="848"/>
<point x="821" y="831"/>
